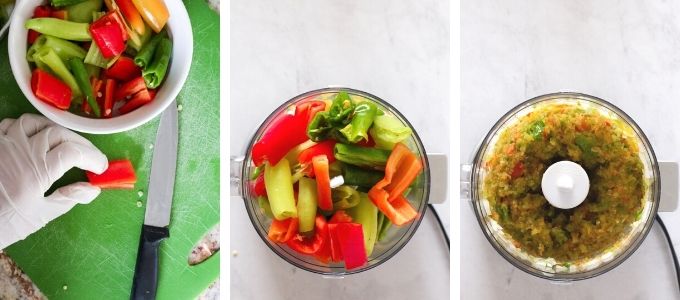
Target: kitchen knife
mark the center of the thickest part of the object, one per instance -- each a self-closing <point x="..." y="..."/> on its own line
<point x="157" y="217"/>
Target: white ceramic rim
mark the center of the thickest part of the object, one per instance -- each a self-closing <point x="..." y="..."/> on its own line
<point x="179" y="28"/>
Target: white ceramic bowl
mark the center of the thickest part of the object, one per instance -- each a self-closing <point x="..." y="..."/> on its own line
<point x="179" y="29"/>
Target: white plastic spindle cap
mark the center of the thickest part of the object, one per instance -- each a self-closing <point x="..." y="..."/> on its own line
<point x="565" y="184"/>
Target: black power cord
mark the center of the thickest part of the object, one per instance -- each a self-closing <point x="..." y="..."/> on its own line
<point x="670" y="244"/>
<point x="441" y="225"/>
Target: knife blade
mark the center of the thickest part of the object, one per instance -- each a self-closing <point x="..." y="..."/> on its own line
<point x="159" y="203"/>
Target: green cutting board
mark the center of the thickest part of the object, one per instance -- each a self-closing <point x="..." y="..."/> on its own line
<point x="90" y="252"/>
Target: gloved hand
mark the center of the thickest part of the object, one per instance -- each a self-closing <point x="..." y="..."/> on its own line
<point x="34" y="153"/>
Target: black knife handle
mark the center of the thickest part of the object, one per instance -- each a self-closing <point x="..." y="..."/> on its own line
<point x="146" y="271"/>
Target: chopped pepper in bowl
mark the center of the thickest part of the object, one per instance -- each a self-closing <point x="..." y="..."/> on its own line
<point x="96" y="58"/>
<point x="337" y="181"/>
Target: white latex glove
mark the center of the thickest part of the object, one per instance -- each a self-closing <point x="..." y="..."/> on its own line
<point x="34" y="153"/>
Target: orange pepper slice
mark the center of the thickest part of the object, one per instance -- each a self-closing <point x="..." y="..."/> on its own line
<point x="323" y="182"/>
<point x="402" y="168"/>
<point x="154" y="12"/>
<point x="282" y="231"/>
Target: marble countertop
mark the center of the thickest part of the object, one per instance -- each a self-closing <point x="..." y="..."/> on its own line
<point x="397" y="50"/>
<point x="623" y="51"/>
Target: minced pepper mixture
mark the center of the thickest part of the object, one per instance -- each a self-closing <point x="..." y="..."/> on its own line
<point x="551" y="133"/>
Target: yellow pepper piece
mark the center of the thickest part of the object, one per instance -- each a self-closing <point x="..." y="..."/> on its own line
<point x="154" y="13"/>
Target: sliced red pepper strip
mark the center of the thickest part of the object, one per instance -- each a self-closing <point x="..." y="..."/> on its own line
<point x="311" y="245"/>
<point x="109" y="35"/>
<point x="324" y="253"/>
<point x="132" y="16"/>
<point x="402" y="168"/>
<point x="143" y="97"/>
<point x="323" y="182"/>
<point x="130" y="88"/>
<point x="96" y="89"/>
<point x="50" y="90"/>
<point x="340" y="216"/>
<point x="109" y="90"/>
<point x="282" y="231"/>
<point x="369" y="143"/>
<point x="285" y="132"/>
<point x="323" y="148"/>
<point x="42" y="11"/>
<point x="517" y="171"/>
<point x="119" y="175"/>
<point x="335" y="249"/>
<point x="124" y="69"/>
<point x="310" y="108"/>
<point x="350" y="239"/>
<point x="258" y="187"/>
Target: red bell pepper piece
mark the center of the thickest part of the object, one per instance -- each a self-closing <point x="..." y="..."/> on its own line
<point x="257" y="186"/>
<point x="402" y="168"/>
<point x="96" y="89"/>
<point x="335" y="249"/>
<point x="143" y="97"/>
<point x="119" y="175"/>
<point x="340" y="216"/>
<point x="310" y="108"/>
<point x="517" y="171"/>
<point x="369" y="143"/>
<point x="132" y="16"/>
<point x="323" y="148"/>
<point x="124" y="69"/>
<point x="285" y="132"/>
<point x="60" y="14"/>
<point x="282" y="231"/>
<point x="323" y="182"/>
<point x="324" y="253"/>
<point x="130" y="88"/>
<point x="42" y="11"/>
<point x="311" y="245"/>
<point x="349" y="238"/>
<point x="109" y="35"/>
<point x="50" y="90"/>
<point x="109" y="90"/>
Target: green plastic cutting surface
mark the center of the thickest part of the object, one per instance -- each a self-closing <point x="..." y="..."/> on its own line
<point x="90" y="252"/>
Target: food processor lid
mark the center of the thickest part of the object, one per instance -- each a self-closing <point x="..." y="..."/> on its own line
<point x="564" y="187"/>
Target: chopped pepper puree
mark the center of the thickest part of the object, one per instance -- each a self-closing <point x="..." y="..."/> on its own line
<point x="607" y="150"/>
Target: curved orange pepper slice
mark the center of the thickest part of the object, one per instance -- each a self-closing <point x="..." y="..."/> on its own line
<point x="402" y="168"/>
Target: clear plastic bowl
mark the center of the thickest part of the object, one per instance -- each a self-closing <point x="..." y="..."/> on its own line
<point x="546" y="267"/>
<point x="396" y="238"/>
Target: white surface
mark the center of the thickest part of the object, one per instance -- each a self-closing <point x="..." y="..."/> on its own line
<point x="565" y="184"/>
<point x="179" y="28"/>
<point x="396" y="50"/>
<point x="623" y="51"/>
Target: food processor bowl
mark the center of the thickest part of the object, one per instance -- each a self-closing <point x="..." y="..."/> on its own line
<point x="548" y="267"/>
<point x="396" y="238"/>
